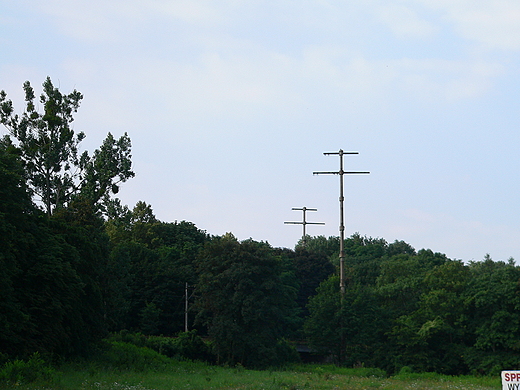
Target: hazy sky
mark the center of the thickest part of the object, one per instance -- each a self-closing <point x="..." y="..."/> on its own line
<point x="231" y="104"/>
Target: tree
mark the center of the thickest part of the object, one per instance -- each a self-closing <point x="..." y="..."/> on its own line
<point x="322" y="246"/>
<point x="143" y="221"/>
<point x="109" y="166"/>
<point x="324" y="326"/>
<point x="311" y="269"/>
<point x="243" y="301"/>
<point x="151" y="262"/>
<point x="398" y="248"/>
<point x="47" y="142"/>
<point x="48" y="147"/>
<point x="350" y="328"/>
<point x="46" y="298"/>
<point x="433" y="337"/>
<point x="377" y="320"/>
<point x="82" y="230"/>
<point x="15" y="206"/>
<point x="493" y="298"/>
<point x="118" y="223"/>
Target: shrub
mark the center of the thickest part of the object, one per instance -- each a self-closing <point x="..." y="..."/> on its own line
<point x="125" y="336"/>
<point x="360" y="372"/>
<point x="279" y="354"/>
<point x="368" y="372"/>
<point x="488" y="363"/>
<point x="286" y="354"/>
<point x="407" y="373"/>
<point x="186" y="346"/>
<point x="164" y="345"/>
<point x="126" y="356"/>
<point x="190" y="346"/>
<point x="19" y="371"/>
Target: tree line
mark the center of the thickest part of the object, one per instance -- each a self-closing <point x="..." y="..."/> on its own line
<point x="77" y="265"/>
<point x="418" y="309"/>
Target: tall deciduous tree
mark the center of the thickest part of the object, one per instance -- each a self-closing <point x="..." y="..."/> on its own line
<point x="48" y="279"/>
<point x="56" y="173"/>
<point x="244" y="302"/>
<point x="102" y="173"/>
<point x="493" y="297"/>
<point x="150" y="264"/>
<point x="433" y="337"/>
<point x="15" y="205"/>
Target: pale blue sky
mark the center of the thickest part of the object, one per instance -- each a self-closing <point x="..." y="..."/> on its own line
<point x="231" y="104"/>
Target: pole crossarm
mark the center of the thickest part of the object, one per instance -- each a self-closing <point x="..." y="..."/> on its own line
<point x="341" y="172"/>
<point x="304" y="221"/>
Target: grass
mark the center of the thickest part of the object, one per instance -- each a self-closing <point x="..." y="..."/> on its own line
<point x="200" y="376"/>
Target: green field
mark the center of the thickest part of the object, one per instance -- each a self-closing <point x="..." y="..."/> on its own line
<point x="199" y="376"/>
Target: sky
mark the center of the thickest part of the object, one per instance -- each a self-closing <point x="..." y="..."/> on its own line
<point x="231" y="104"/>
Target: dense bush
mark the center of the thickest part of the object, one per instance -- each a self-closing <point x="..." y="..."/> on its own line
<point x="125" y="336"/>
<point x="286" y="353"/>
<point x="186" y="346"/>
<point x="18" y="372"/>
<point x="125" y="356"/>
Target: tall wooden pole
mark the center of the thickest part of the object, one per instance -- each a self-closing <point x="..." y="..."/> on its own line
<point x="186" y="301"/>
<point x="304" y="222"/>
<point x="341" y="172"/>
<point x="342" y="284"/>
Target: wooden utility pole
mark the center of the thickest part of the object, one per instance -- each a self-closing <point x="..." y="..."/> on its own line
<point x="304" y="222"/>
<point x="341" y="172"/>
<point x="186" y="304"/>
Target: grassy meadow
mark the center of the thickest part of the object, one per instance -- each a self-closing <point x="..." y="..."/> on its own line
<point x="201" y="376"/>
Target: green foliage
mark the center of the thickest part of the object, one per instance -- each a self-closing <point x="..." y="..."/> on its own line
<point x="137" y="339"/>
<point x="34" y="369"/>
<point x="323" y="326"/>
<point x="420" y="310"/>
<point x="149" y="316"/>
<point x="433" y="337"/>
<point x="493" y="301"/>
<point x="186" y="346"/>
<point x="310" y="269"/>
<point x="189" y="345"/>
<point x="182" y="375"/>
<point x="109" y="166"/>
<point x="321" y="246"/>
<point x="46" y="291"/>
<point x="125" y="356"/>
<point x="285" y="353"/>
<point x="349" y="329"/>
<point x="51" y="267"/>
<point x="407" y="373"/>
<point x="400" y="283"/>
<point x="15" y="205"/>
<point x="148" y="287"/>
<point x="70" y="276"/>
<point x="244" y="302"/>
<point x="327" y="370"/>
<point x="48" y="147"/>
<point x="150" y="264"/>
